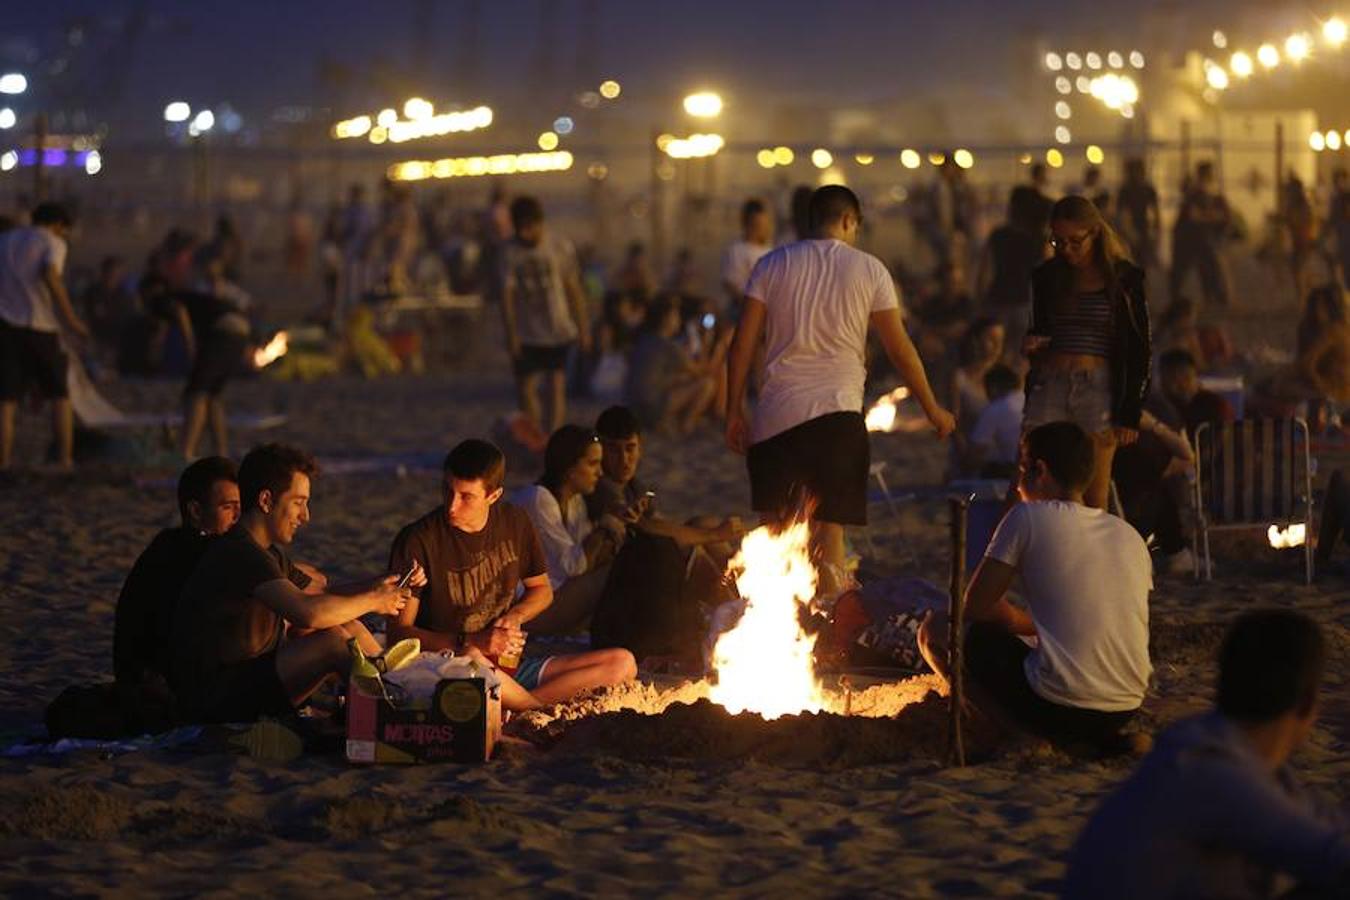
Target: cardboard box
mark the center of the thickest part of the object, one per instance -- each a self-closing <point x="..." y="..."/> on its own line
<point x="462" y="724"/>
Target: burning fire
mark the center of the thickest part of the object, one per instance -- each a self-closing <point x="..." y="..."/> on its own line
<point x="1283" y="538"/>
<point x="886" y="415"/>
<point x="765" y="665"/>
<point x="275" y="349"/>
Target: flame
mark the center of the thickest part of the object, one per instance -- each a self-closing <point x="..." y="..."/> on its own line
<point x="1284" y="538"/>
<point x="275" y="349"/>
<point x="765" y="664"/>
<point x="884" y="414"/>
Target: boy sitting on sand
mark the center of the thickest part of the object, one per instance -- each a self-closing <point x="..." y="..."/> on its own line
<point x="1085" y="576"/>
<point x="208" y="501"/>
<point x="489" y="579"/>
<point x="1213" y="810"/>
<point x="233" y="659"/>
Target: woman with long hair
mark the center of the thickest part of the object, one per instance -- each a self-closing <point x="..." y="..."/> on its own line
<point x="1089" y="342"/>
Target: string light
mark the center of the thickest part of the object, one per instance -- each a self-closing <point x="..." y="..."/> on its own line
<point x="1241" y="64"/>
<point x="1054" y="158"/>
<point x="964" y="158"/>
<point x="1317" y="142"/>
<point x="1297" y="47"/>
<point x="821" y="158"/>
<point x="1334" y="31"/>
<point x="474" y="166"/>
<point x="910" y="159"/>
<point x="1268" y="56"/>
<point x="1094" y="154"/>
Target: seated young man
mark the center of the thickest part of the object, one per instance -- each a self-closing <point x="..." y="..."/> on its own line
<point x="233" y="659"/>
<point x="622" y="494"/>
<point x="208" y="501"/>
<point x="1179" y="381"/>
<point x="996" y="436"/>
<point x="488" y="579"/>
<point x="1085" y="576"/>
<point x="1214" y="810"/>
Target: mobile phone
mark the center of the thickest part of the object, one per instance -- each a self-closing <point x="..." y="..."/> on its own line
<point x="709" y="320"/>
<point x="407" y="576"/>
<point x="650" y="495"/>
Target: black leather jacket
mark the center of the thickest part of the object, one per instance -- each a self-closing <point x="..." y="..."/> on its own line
<point x="1132" y="353"/>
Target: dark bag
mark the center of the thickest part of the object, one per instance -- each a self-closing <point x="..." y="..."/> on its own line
<point x="643" y="608"/>
<point x="107" y="711"/>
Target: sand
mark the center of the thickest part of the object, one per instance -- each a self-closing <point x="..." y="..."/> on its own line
<point x="598" y="797"/>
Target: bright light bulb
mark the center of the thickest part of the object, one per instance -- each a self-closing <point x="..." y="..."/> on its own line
<point x="864" y="159"/>
<point x="1268" y="56"/>
<point x="964" y="158"/>
<point x="1084" y="84"/>
<point x="1333" y="140"/>
<point x="1136" y="59"/>
<point x="548" y="141"/>
<point x="1241" y="64"/>
<point x="1063" y="85"/>
<point x="610" y="89"/>
<point x="936" y="158"/>
<point x="93" y="163"/>
<point x="13" y="83"/>
<point x="1093" y="60"/>
<point x="1054" y="158"/>
<point x="1073" y="61"/>
<point x="765" y="159"/>
<point x="703" y="105"/>
<point x="7" y="118"/>
<point x="1115" y="60"/>
<point x="386" y="118"/>
<point x="8" y="160"/>
<point x="1095" y="155"/>
<point x="1053" y="62"/>
<point x="417" y="109"/>
<point x="177" y="111"/>
<point x="821" y="158"/>
<point x="1062" y="110"/>
<point x="1297" y="47"/>
<point x="1217" y="78"/>
<point x="1317" y="142"/>
<point x="910" y="159"/>
<point x="1220" y="40"/>
<point x="783" y="156"/>
<point x="1334" y="31"/>
<point x="204" y="121"/>
<point x="1063" y="135"/>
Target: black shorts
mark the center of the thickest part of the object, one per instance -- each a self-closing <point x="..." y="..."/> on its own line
<point x="31" y="360"/>
<point x="243" y="692"/>
<point x="824" y="460"/>
<point x="537" y="358"/>
<point x="994" y="660"/>
<point x="218" y="358"/>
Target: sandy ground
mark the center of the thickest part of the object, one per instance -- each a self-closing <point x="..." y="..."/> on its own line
<point x="616" y="803"/>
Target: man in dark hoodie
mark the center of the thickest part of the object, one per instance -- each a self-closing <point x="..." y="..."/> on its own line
<point x="1213" y="810"/>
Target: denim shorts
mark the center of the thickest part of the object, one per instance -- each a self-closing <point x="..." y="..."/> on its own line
<point x="1081" y="396"/>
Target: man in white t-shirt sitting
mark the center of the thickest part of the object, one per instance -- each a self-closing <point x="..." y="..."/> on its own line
<point x="740" y="257"/>
<point x="33" y="307"/>
<point x="813" y="302"/>
<point x="995" y="440"/>
<point x="1085" y="576"/>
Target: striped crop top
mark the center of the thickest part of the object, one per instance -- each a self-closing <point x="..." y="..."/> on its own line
<point x="1085" y="328"/>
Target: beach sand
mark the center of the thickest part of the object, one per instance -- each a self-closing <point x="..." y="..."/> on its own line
<point x="581" y="800"/>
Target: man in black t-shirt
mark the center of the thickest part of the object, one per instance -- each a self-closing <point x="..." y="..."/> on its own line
<point x="208" y="500"/>
<point x="234" y="659"/>
<point x="487" y="578"/>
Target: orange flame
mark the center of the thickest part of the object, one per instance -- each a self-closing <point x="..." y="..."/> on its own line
<point x="275" y="349"/>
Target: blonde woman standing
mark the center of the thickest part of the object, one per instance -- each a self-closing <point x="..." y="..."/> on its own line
<point x="1089" y="342"/>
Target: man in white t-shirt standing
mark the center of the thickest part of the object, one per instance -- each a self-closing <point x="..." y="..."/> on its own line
<point x="1085" y="576"/>
<point x="740" y="257"/>
<point x="33" y="307"/>
<point x="813" y="302"/>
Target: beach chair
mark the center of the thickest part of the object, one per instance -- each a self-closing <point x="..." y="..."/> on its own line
<point x="1251" y="474"/>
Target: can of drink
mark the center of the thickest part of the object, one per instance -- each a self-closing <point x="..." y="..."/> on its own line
<point x="509" y="659"/>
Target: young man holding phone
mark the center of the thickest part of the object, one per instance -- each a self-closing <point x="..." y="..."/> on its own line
<point x="487" y="578"/>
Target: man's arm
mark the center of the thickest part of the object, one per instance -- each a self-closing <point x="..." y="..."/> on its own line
<point x="509" y="317"/>
<point x="318" y="582"/>
<point x="51" y="277"/>
<point x="748" y="332"/>
<point x="538" y="597"/>
<point x="576" y="297"/>
<point x="890" y="328"/>
<point x="327" y="610"/>
<point x="986" y="598"/>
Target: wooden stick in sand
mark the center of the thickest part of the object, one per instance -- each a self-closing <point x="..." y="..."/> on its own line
<point x="956" y="750"/>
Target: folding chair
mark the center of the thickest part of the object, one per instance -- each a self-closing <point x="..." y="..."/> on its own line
<point x="1251" y="474"/>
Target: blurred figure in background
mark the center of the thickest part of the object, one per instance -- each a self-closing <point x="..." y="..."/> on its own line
<point x="1003" y="282"/>
<point x="1137" y="214"/>
<point x="1197" y="239"/>
<point x="740" y="256"/>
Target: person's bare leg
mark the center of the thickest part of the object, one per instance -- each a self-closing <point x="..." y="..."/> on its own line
<point x="557" y="383"/>
<point x="528" y="398"/>
<point x="827" y="544"/>
<point x="1103" y="451"/>
<point x="514" y="697"/>
<point x="219" y="432"/>
<point x="364" y="639"/>
<point x="63" y="429"/>
<point x="8" y="410"/>
<point x="304" y="662"/>
<point x="567" y="676"/>
<point x="194" y="421"/>
<point x="703" y="397"/>
<point x="678" y="406"/>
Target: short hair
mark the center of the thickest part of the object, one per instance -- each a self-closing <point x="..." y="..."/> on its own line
<point x="829" y="203"/>
<point x="52" y="214"/>
<point x="1175" y="359"/>
<point x="1000" y="380"/>
<point x="272" y="467"/>
<point x="477" y="459"/>
<point x="1066" y="450"/>
<point x="751" y="208"/>
<point x="565" y="448"/>
<point x="617" y="424"/>
<point x="1204" y="169"/>
<point x="197" y="480"/>
<point x="1270" y="664"/>
<point x="526" y="211"/>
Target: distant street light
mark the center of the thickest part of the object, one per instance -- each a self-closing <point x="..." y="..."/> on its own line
<point x="177" y="111"/>
<point x="7" y="118"/>
<point x="13" y="83"/>
<point x="204" y="122"/>
<point x="703" y="105"/>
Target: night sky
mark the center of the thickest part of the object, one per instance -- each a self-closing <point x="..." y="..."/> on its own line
<point x="261" y="55"/>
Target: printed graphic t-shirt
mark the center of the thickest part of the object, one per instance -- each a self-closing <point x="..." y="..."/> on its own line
<point x="471" y="578"/>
